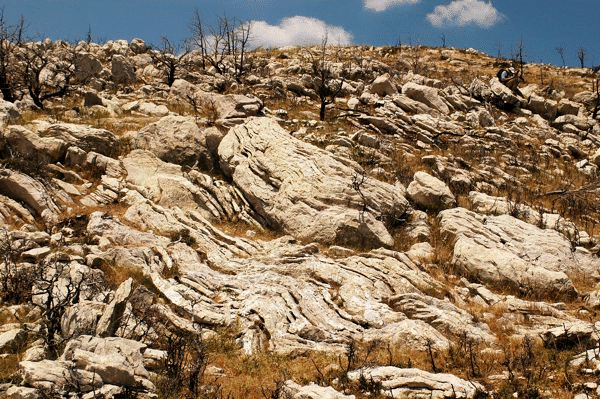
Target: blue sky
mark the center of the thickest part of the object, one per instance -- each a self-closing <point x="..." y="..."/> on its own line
<point x="489" y="26"/>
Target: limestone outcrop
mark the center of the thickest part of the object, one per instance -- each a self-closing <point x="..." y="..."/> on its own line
<point x="306" y="191"/>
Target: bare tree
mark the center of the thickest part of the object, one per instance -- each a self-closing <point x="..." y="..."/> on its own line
<point x="581" y="53"/>
<point x="88" y="37"/>
<point x="325" y="83"/>
<point x="198" y="39"/>
<point x="561" y="52"/>
<point x="10" y="39"/>
<point x="226" y="42"/>
<point x="241" y="39"/>
<point x="170" y="57"/>
<point x="596" y="90"/>
<point x="47" y="73"/>
<point x="517" y="60"/>
<point x="219" y="44"/>
<point x="56" y="288"/>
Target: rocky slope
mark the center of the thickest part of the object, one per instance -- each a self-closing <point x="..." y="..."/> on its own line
<point x="434" y="235"/>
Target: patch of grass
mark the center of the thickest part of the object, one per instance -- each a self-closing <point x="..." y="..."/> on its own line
<point x="246" y="231"/>
<point x="9" y="369"/>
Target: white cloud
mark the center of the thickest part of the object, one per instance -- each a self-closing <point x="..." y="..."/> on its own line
<point x="382" y="5"/>
<point x="296" y="30"/>
<point x="464" y="12"/>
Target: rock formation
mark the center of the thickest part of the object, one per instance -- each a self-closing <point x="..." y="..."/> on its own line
<point x="430" y="238"/>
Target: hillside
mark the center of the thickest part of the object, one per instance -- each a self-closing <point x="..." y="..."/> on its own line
<point x="321" y="223"/>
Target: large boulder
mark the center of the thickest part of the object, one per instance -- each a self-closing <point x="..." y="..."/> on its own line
<point x="122" y="70"/>
<point x="118" y="361"/>
<point x="8" y="113"/>
<point x="81" y="318"/>
<point x="383" y="86"/>
<point x="85" y="137"/>
<point x="166" y="185"/>
<point x="430" y="192"/>
<point x="502" y="95"/>
<point x="54" y="375"/>
<point x="13" y="341"/>
<point x="24" y="189"/>
<point x="495" y="93"/>
<point x="442" y="315"/>
<point x="542" y="106"/>
<point x="306" y="191"/>
<point x="425" y="94"/>
<point x="111" y="317"/>
<point x="580" y="122"/>
<point x="292" y="390"/>
<point x="87" y="66"/>
<point x="567" y="107"/>
<point x="161" y="182"/>
<point x="175" y="139"/>
<point x="508" y="253"/>
<point x="217" y="106"/>
<point x="29" y="145"/>
<point x="415" y="383"/>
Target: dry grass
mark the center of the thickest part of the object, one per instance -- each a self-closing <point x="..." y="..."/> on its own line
<point x="9" y="368"/>
<point x="251" y="376"/>
<point x="242" y="229"/>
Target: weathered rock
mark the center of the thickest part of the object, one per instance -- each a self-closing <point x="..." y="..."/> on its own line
<point x="544" y="107"/>
<point x="570" y="335"/>
<point x="87" y="66"/>
<point x="567" y="107"/>
<point x="138" y="46"/>
<point x="481" y="118"/>
<point x="165" y="184"/>
<point x="101" y="225"/>
<point x="317" y="303"/>
<point x="13" y="341"/>
<point x="442" y="315"/>
<point x="495" y="93"/>
<point x="502" y="95"/>
<point x="490" y="205"/>
<point x="49" y="374"/>
<point x="579" y="122"/>
<point x="111" y="317"/>
<point x="122" y="70"/>
<point x="175" y="139"/>
<point x="593" y="299"/>
<point x="35" y="254"/>
<point x="29" y="145"/>
<point x="8" y="113"/>
<point x="82" y="136"/>
<point x="23" y="188"/>
<point x="228" y="106"/>
<point x="117" y="361"/>
<point x="383" y="86"/>
<point x="588" y="360"/>
<point x="506" y="252"/>
<point x="430" y="192"/>
<point x="304" y="190"/>
<point x="409" y="334"/>
<point x="15" y="392"/>
<point x="415" y="383"/>
<point x="81" y="318"/>
<point x="426" y="95"/>
<point x="412" y="106"/>
<point x="292" y="390"/>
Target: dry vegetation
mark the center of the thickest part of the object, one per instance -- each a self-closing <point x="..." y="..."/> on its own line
<point x="522" y="368"/>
